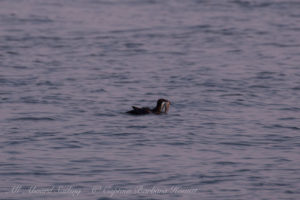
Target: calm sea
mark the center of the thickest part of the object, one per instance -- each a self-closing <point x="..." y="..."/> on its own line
<point x="69" y="70"/>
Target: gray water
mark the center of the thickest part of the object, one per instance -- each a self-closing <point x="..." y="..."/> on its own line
<point x="69" y="70"/>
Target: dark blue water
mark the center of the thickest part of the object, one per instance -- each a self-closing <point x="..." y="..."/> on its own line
<point x="70" y="69"/>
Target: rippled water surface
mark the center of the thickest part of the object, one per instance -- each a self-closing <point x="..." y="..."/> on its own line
<point x="69" y="70"/>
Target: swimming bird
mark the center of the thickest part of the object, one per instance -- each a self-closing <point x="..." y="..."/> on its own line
<point x="162" y="106"/>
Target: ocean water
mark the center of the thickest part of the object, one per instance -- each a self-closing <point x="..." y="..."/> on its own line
<point x="69" y="70"/>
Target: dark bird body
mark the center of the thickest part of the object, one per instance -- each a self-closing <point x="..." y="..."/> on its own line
<point x="162" y="106"/>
